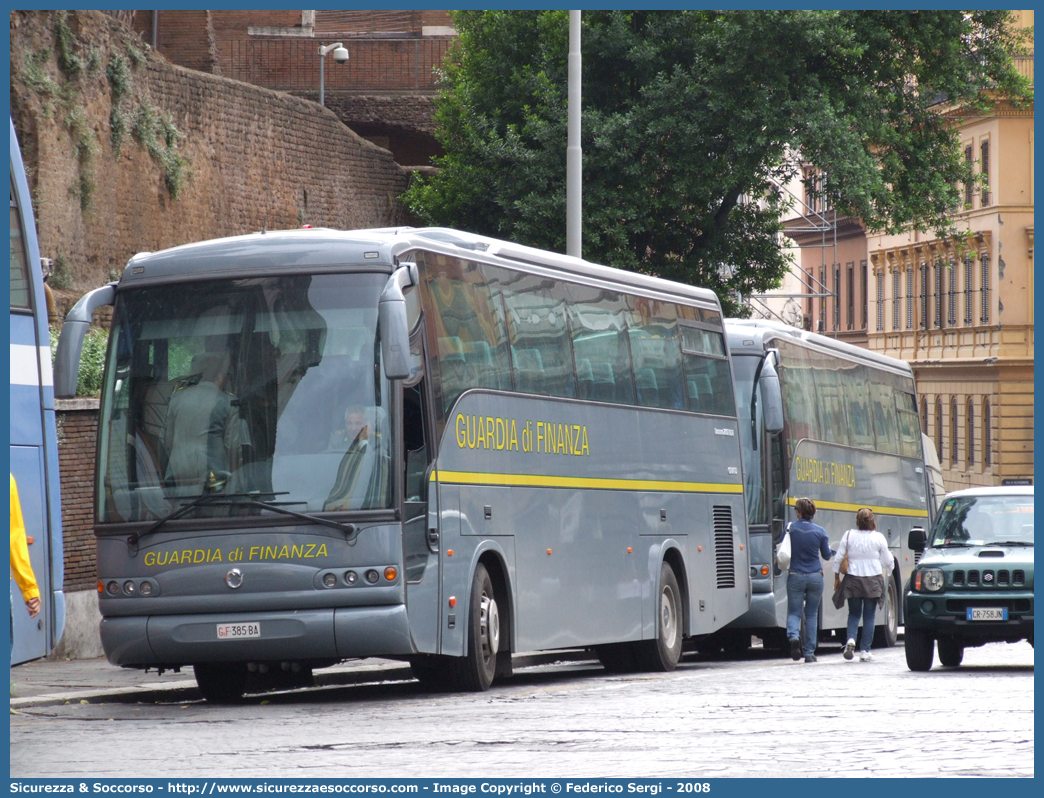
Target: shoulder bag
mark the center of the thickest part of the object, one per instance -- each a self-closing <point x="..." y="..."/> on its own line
<point x="783" y="553"/>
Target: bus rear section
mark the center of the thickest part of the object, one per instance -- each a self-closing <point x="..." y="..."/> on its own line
<point x="33" y="435"/>
<point x="836" y="424"/>
<point x="306" y="455"/>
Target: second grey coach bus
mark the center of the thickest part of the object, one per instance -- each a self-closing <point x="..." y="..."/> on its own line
<point x="838" y="424"/>
<point x="416" y="443"/>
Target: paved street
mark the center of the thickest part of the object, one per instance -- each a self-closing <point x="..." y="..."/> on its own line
<point x="758" y="716"/>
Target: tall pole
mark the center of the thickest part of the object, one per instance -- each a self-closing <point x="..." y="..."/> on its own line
<point x="322" y="60"/>
<point x="573" y="151"/>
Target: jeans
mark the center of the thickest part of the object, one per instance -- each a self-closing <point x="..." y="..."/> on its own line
<point x="868" y="608"/>
<point x="804" y="590"/>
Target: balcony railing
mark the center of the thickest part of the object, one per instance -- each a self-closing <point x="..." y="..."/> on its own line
<point x="379" y="64"/>
<point x="1024" y="64"/>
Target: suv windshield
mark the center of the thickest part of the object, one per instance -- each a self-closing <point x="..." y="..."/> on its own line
<point x="985" y="520"/>
<point x="269" y="386"/>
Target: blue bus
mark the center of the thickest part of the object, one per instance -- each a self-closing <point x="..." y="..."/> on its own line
<point x="34" y="439"/>
<point x="416" y="443"/>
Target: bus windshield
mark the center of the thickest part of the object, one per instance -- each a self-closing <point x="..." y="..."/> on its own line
<point x="985" y="521"/>
<point x="266" y="387"/>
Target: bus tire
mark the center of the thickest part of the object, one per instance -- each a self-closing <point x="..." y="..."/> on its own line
<point x="664" y="652"/>
<point x="221" y="683"/>
<point x="887" y="635"/>
<point x="920" y="650"/>
<point x="475" y="671"/>
<point x="951" y="652"/>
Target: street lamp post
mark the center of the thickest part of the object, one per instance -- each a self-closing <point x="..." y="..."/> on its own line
<point x="340" y="57"/>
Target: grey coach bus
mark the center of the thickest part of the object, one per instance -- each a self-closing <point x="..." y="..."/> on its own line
<point x="838" y="424"/>
<point x="416" y="443"/>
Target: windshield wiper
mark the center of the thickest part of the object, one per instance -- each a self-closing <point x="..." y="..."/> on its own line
<point x="1008" y="543"/>
<point x="252" y="500"/>
<point x="953" y="545"/>
<point x="240" y="500"/>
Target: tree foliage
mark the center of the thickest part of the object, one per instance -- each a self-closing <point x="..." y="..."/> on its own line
<point x="690" y="124"/>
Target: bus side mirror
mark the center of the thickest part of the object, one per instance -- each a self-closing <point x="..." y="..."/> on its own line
<point x="70" y="341"/>
<point x="771" y="396"/>
<point x="394" y="326"/>
<point x="917" y="539"/>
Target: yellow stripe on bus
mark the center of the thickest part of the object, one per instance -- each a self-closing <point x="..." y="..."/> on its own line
<point x="825" y="505"/>
<point x="547" y="481"/>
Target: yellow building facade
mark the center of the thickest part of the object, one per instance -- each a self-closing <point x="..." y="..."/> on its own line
<point x="961" y="312"/>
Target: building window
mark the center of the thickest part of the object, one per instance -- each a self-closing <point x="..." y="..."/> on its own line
<point x="939" y="428"/>
<point x="822" y="299"/>
<point x="970" y="437"/>
<point x="938" y="294"/>
<point x="968" y="184"/>
<point x="924" y="414"/>
<point x="951" y="316"/>
<point x="984" y="166"/>
<point x="880" y="302"/>
<point x="851" y="296"/>
<point x="969" y="285"/>
<point x="987" y="435"/>
<point x="985" y="289"/>
<point x="924" y="295"/>
<point x="909" y="297"/>
<point x="953" y="432"/>
<point x="837" y="297"/>
<point x="864" y="295"/>
<point x="808" y="301"/>
<point x="897" y="288"/>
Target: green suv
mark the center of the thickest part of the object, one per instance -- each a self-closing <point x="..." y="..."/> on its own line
<point x="973" y="583"/>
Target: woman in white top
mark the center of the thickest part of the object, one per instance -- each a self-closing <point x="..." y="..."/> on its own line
<point x="864" y="584"/>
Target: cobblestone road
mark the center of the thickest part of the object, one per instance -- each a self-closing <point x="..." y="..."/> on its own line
<point x="756" y="717"/>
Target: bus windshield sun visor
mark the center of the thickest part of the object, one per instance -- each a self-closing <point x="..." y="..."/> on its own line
<point x="351" y="531"/>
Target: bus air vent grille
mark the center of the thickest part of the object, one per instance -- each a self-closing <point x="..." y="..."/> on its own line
<point x="724" y="550"/>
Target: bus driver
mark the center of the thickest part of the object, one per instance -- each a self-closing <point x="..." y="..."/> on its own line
<point x="201" y="431"/>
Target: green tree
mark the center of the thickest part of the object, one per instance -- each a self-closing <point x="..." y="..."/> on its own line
<point x="691" y="122"/>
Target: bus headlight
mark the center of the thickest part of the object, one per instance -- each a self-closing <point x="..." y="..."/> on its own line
<point x="113" y="588"/>
<point x="145" y="589"/>
<point x="929" y="579"/>
<point x="351" y="577"/>
<point x="329" y="580"/>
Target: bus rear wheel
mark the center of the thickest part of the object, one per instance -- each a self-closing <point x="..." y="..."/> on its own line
<point x="474" y="672"/>
<point x="221" y="683"/>
<point x="887" y="635"/>
<point x="664" y="652"/>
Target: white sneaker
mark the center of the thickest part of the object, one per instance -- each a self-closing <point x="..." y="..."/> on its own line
<point x="849" y="649"/>
<point x="866" y="656"/>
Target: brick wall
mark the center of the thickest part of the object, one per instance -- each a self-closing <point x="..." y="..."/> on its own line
<point x="77" y="422"/>
<point x="258" y="158"/>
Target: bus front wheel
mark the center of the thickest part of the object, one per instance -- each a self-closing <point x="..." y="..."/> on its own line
<point x="221" y="683"/>
<point x="663" y="653"/>
<point x="475" y="671"/>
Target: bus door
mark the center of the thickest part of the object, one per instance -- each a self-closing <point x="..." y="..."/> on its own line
<point x="31" y="635"/>
<point x="421" y="560"/>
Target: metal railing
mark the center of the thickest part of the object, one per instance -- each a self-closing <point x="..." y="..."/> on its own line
<point x="378" y="64"/>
